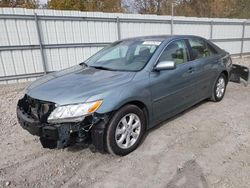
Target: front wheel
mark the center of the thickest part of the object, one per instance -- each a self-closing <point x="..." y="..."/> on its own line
<point x="219" y="88"/>
<point x="125" y="130"/>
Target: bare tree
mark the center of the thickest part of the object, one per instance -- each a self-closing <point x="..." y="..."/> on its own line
<point x="19" y="3"/>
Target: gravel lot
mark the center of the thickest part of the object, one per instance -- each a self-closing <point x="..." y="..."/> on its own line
<point x="206" y="146"/>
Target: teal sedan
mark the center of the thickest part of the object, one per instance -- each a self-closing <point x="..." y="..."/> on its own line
<point x="110" y="100"/>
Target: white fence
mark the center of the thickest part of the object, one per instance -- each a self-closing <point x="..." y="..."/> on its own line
<point x="34" y="42"/>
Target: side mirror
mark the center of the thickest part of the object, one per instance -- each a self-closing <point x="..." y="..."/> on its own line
<point x="165" y="65"/>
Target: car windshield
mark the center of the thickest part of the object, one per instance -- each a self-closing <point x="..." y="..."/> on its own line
<point x="128" y="55"/>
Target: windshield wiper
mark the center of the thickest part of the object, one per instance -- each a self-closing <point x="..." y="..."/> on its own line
<point x="84" y="64"/>
<point x="102" y="68"/>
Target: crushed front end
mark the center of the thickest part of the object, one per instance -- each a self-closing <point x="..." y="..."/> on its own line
<point x="33" y="116"/>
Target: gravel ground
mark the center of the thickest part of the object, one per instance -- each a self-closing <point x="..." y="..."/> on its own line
<point x="206" y="146"/>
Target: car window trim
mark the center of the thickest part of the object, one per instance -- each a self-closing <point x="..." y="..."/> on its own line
<point x="193" y="59"/>
<point x="206" y="44"/>
<point x="212" y="48"/>
<point x="185" y="41"/>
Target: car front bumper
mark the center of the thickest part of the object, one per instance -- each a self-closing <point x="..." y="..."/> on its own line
<point x="64" y="134"/>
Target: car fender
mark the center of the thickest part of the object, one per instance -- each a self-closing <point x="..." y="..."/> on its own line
<point x="137" y="90"/>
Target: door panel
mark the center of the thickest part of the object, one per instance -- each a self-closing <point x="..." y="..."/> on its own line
<point x="173" y="90"/>
<point x="206" y="69"/>
<point x="207" y="62"/>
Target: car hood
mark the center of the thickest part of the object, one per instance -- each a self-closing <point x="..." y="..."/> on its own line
<point x="76" y="84"/>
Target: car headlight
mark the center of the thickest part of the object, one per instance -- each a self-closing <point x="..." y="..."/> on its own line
<point x="74" y="112"/>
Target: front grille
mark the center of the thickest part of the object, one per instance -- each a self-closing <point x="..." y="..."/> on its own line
<point x="37" y="109"/>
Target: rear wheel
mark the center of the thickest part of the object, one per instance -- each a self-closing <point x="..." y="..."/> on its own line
<point x="125" y="130"/>
<point x="219" y="88"/>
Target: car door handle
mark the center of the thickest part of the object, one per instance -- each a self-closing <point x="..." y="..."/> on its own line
<point x="190" y="70"/>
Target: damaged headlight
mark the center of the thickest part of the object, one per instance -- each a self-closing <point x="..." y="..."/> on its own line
<point x="74" y="112"/>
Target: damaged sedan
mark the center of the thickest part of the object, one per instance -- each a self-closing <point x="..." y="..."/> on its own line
<point x="109" y="101"/>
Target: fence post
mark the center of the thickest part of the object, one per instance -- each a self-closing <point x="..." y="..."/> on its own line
<point x="172" y="25"/>
<point x="172" y="18"/>
<point x="118" y="27"/>
<point x="242" y="39"/>
<point x="211" y="29"/>
<point x="40" y="44"/>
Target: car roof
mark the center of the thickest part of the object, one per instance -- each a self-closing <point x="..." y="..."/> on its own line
<point x="162" y="37"/>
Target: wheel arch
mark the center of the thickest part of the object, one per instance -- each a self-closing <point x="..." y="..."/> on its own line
<point x="226" y="74"/>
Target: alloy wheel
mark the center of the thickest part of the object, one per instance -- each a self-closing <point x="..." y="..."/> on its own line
<point x="220" y="87"/>
<point x="128" y="131"/>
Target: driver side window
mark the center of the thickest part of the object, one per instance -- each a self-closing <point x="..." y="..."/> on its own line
<point x="176" y="51"/>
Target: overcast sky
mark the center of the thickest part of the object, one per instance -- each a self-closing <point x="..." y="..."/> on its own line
<point x="43" y="1"/>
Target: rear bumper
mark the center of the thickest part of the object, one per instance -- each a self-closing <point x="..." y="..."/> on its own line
<point x="239" y="74"/>
<point x="62" y="135"/>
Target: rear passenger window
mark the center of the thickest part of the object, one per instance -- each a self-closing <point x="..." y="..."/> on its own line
<point x="176" y="51"/>
<point x="211" y="50"/>
<point x="201" y="48"/>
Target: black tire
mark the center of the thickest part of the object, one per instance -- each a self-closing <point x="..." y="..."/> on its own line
<point x="111" y="143"/>
<point x="215" y="97"/>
